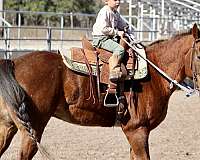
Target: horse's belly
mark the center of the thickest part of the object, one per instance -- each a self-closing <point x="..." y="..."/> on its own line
<point x="84" y="117"/>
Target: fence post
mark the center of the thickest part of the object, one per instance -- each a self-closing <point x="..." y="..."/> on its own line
<point x="49" y="30"/>
<point x="7" y="54"/>
<point x="71" y="20"/>
<point x="61" y="27"/>
<point x="19" y="29"/>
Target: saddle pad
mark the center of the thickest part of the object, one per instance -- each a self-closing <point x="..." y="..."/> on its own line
<point x="141" y="65"/>
<point x="75" y="61"/>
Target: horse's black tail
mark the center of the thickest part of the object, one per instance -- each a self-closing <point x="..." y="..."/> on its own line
<point x="16" y="99"/>
<point x="13" y="94"/>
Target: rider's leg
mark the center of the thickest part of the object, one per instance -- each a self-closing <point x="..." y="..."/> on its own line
<point x="115" y="59"/>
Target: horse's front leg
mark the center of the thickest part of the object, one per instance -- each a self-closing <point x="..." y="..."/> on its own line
<point x="138" y="139"/>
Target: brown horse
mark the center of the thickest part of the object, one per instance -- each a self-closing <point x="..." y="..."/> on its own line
<point x="37" y="86"/>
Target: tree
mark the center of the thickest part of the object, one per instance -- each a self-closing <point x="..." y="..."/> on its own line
<point x="61" y="6"/>
<point x="83" y="6"/>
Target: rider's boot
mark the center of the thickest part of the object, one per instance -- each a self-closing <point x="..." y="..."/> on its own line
<point x="114" y="68"/>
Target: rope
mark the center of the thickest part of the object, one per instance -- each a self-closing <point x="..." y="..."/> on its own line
<point x="188" y="91"/>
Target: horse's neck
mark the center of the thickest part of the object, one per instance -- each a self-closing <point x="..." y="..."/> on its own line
<point x="169" y="56"/>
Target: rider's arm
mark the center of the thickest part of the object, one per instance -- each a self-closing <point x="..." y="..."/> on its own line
<point x="104" y="24"/>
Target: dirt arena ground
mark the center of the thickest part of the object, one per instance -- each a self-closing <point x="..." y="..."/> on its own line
<point x="176" y="138"/>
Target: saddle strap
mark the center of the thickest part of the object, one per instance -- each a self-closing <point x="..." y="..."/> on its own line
<point x="98" y="75"/>
<point x="91" y="78"/>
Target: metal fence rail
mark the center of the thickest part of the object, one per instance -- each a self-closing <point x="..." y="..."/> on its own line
<point x="50" y="19"/>
<point x="17" y="39"/>
<point x="62" y="30"/>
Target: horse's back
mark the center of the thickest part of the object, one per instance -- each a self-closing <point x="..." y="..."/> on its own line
<point x="37" y="58"/>
<point x="42" y="61"/>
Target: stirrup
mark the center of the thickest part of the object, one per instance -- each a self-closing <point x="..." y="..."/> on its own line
<point x="111" y="95"/>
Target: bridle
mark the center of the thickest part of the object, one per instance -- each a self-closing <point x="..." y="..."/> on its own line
<point x="189" y="91"/>
<point x="194" y="58"/>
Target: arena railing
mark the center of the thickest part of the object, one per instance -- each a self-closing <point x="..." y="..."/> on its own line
<point x="23" y="39"/>
<point x="70" y="27"/>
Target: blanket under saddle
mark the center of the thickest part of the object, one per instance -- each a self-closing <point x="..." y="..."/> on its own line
<point x="76" y="61"/>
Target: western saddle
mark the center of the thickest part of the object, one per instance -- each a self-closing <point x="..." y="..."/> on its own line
<point x="114" y="95"/>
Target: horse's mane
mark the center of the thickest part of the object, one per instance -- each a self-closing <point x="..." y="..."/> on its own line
<point x="182" y="33"/>
<point x="163" y="48"/>
<point x="177" y="35"/>
<point x="157" y="42"/>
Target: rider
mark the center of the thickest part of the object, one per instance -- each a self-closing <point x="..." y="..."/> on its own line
<point x="107" y="27"/>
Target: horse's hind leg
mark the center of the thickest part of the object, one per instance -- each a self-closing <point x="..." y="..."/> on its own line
<point x="7" y="132"/>
<point x="138" y="140"/>
<point x="28" y="146"/>
<point x="7" y="128"/>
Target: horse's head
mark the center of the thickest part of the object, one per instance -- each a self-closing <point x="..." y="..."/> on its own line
<point x="192" y="58"/>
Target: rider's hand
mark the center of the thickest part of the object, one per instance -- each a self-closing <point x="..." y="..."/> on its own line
<point x="120" y="33"/>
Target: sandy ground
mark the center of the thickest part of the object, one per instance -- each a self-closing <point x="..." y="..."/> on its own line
<point x="176" y="138"/>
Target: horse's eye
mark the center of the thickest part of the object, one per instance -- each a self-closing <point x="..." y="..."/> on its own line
<point x="198" y="57"/>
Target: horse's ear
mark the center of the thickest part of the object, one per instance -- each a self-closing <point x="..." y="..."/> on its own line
<point x="195" y="31"/>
